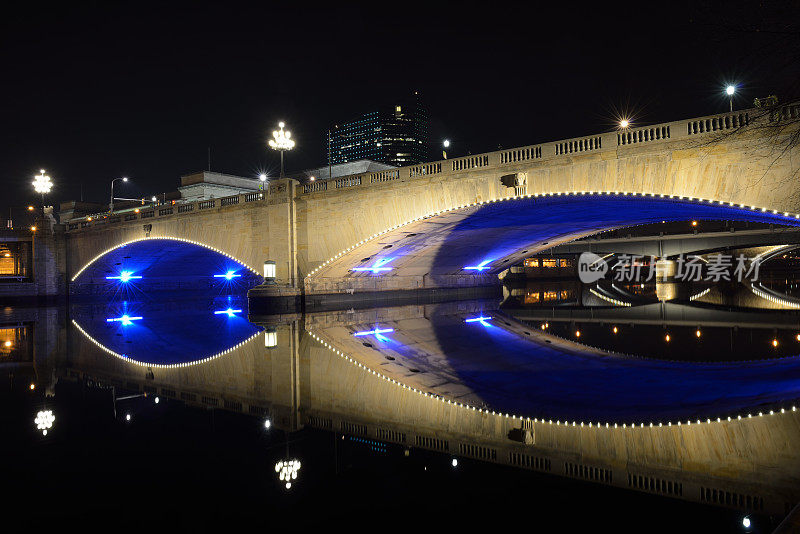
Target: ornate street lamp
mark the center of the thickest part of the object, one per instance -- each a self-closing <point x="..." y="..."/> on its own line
<point x="282" y="142"/>
<point x="42" y="184"/>
<point x="111" y="204"/>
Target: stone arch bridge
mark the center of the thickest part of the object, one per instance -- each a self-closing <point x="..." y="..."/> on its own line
<point x="459" y="222"/>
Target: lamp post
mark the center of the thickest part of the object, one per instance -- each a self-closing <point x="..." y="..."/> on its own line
<point x="730" y="90"/>
<point x="42" y="184"/>
<point x="111" y="204"/>
<point x="445" y="146"/>
<point x="282" y="142"/>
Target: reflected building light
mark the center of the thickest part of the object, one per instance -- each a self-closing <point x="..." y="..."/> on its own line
<point x="287" y="471"/>
<point x="124" y="276"/>
<point x="270" y="338"/>
<point x="480" y="267"/>
<point x="230" y="312"/>
<point x="267" y="424"/>
<point x="482" y="320"/>
<point x="127" y="417"/>
<point x="126" y="320"/>
<point x="228" y="276"/>
<point x="44" y="421"/>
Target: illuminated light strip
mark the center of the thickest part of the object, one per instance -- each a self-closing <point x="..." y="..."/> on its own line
<point x="608" y="299"/>
<point x="377" y="331"/>
<point x="480" y="319"/>
<point x="590" y="424"/>
<point x="125" y="320"/>
<point x="480" y="267"/>
<point x="124" y="276"/>
<point x="516" y="197"/>
<point x="227" y="276"/>
<point x="162" y="365"/>
<point x="229" y="312"/>
<point x="375" y="270"/>
<point x="700" y="295"/>
<point x="161" y="238"/>
<point x="771" y="298"/>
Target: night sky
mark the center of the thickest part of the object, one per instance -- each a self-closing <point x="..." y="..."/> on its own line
<point x="96" y="90"/>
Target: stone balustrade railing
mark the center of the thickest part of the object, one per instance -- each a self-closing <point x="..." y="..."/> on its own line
<point x="500" y="160"/>
<point x="656" y="133"/>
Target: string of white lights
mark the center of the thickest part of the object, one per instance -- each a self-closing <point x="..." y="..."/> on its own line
<point x="703" y="293"/>
<point x="432" y="214"/>
<point x="209" y="247"/>
<point x="608" y="299"/>
<point x="772" y="298"/>
<point x="590" y="424"/>
<point x="162" y="365"/>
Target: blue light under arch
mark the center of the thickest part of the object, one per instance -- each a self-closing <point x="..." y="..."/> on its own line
<point x="166" y="263"/>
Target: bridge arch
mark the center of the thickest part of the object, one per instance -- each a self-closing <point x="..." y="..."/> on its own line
<point x="470" y="244"/>
<point x="163" y="256"/>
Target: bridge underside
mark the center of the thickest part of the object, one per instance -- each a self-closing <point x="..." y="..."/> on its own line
<point x="158" y="263"/>
<point x="470" y="245"/>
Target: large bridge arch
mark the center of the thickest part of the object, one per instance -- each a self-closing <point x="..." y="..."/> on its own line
<point x="468" y="245"/>
<point x="733" y="168"/>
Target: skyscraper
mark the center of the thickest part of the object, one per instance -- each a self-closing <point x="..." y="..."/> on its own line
<point x="395" y="135"/>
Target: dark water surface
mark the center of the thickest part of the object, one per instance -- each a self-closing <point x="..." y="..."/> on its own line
<point x="201" y="457"/>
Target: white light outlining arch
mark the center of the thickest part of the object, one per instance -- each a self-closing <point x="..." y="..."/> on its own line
<point x="163" y="365"/>
<point x="704" y="201"/>
<point x="590" y="424"/>
<point x="209" y="247"/>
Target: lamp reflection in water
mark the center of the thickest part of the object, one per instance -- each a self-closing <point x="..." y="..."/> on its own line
<point x="287" y="471"/>
<point x="44" y="421"/>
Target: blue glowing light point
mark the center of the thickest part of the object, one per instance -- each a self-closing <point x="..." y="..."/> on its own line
<point x="126" y="320"/>
<point x="480" y="267"/>
<point x="378" y="333"/>
<point x="482" y="319"/>
<point x="228" y="276"/>
<point x="229" y="312"/>
<point x="377" y="268"/>
<point x="124" y="276"/>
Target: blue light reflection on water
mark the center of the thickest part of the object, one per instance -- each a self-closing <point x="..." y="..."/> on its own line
<point x="168" y="332"/>
<point x="527" y="376"/>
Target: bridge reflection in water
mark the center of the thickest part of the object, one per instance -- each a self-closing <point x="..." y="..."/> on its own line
<point x="467" y="379"/>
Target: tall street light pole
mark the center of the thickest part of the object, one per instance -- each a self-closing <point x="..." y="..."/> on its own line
<point x="111" y="204"/>
<point x="281" y="142"/>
